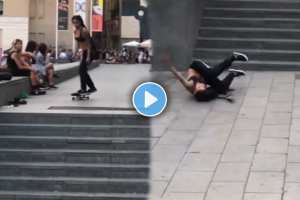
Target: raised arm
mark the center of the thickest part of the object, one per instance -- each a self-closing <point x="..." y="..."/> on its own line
<point x="187" y="84"/>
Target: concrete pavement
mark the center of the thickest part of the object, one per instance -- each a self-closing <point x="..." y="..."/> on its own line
<point x="248" y="150"/>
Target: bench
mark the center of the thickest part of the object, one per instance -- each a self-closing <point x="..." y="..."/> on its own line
<point x="18" y="85"/>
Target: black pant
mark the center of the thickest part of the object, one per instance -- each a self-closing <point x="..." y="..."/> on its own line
<point x="85" y="78"/>
<point x="210" y="75"/>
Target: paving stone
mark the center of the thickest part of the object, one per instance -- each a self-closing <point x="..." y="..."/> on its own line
<point x="282" y="97"/>
<point x="251" y="113"/>
<point x="238" y="154"/>
<point x="190" y="182"/>
<point x="208" y="145"/>
<point x="269" y="162"/>
<point x="273" y="145"/>
<point x="200" y="162"/>
<point x="186" y="124"/>
<point x="296" y="112"/>
<point x="232" y="172"/>
<point x="292" y="191"/>
<point x="283" y="88"/>
<point x="295" y="138"/>
<point x="162" y="171"/>
<point x="265" y="182"/>
<point x="293" y="154"/>
<point x="223" y="130"/>
<point x="176" y="138"/>
<point x="243" y="140"/>
<point x="168" y="153"/>
<point x="247" y="124"/>
<point x="219" y="118"/>
<point x="279" y="107"/>
<point x="275" y="131"/>
<point x="295" y="124"/>
<point x="185" y="196"/>
<point x="257" y="196"/>
<point x="157" y="189"/>
<point x="232" y="191"/>
<point x="293" y="172"/>
<point x="158" y="130"/>
<point x="278" y="118"/>
<point x="255" y="101"/>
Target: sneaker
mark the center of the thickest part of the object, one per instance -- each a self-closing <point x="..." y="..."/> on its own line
<point x="237" y="72"/>
<point x="92" y="90"/>
<point x="37" y="92"/>
<point x="53" y="87"/>
<point x="240" y="56"/>
<point x="79" y="92"/>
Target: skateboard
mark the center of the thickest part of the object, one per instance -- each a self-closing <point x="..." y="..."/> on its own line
<point x="80" y="97"/>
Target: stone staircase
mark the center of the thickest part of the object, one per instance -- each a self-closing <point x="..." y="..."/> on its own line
<point x="268" y="31"/>
<point x="74" y="157"/>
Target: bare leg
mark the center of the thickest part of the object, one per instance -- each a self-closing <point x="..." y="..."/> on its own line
<point x="50" y="74"/>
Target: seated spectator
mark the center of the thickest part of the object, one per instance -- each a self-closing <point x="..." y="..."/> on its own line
<point x="70" y="55"/>
<point x="43" y="66"/>
<point x="18" y="67"/>
<point x="63" y="56"/>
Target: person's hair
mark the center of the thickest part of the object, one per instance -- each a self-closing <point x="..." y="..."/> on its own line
<point x="43" y="49"/>
<point x="16" y="41"/>
<point x="78" y="18"/>
<point x="31" y="46"/>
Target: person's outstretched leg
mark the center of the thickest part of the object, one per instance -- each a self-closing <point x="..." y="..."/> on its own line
<point x="226" y="82"/>
<point x="221" y="67"/>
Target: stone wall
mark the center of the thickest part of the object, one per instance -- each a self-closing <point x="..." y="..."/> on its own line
<point x="174" y="25"/>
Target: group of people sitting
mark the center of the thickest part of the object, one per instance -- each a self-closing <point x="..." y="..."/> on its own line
<point x="34" y="62"/>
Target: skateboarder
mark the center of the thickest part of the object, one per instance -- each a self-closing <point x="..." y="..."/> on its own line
<point x="202" y="80"/>
<point x="82" y="36"/>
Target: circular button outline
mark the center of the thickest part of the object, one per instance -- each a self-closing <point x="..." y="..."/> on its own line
<point x="165" y="95"/>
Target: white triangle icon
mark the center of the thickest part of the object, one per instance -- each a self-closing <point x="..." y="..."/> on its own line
<point x="149" y="99"/>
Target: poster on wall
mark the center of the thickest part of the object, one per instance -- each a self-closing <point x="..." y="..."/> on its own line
<point x="80" y="9"/>
<point x="97" y="18"/>
<point x="63" y="14"/>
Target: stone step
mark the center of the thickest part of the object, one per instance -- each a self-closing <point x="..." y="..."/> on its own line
<point x="255" y="4"/>
<point x="251" y="12"/>
<point x="74" y="143"/>
<point x="243" y="43"/>
<point x="258" y="54"/>
<point x="31" y="195"/>
<point x="66" y="184"/>
<point x="77" y="119"/>
<point x="280" y="23"/>
<point x="74" y="170"/>
<point x="73" y="130"/>
<point x="75" y="156"/>
<point x="257" y="65"/>
<point x="253" y="33"/>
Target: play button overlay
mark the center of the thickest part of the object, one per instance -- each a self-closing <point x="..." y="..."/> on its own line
<point x="149" y="99"/>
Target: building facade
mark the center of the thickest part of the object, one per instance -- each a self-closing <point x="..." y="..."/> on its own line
<point x="37" y="20"/>
<point x="14" y="21"/>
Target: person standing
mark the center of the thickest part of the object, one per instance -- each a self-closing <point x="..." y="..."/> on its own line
<point x="82" y="36"/>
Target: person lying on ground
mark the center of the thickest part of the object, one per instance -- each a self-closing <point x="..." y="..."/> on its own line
<point x="203" y="81"/>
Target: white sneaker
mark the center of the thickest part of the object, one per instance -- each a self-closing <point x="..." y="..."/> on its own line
<point x="237" y="72"/>
<point x="240" y="56"/>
